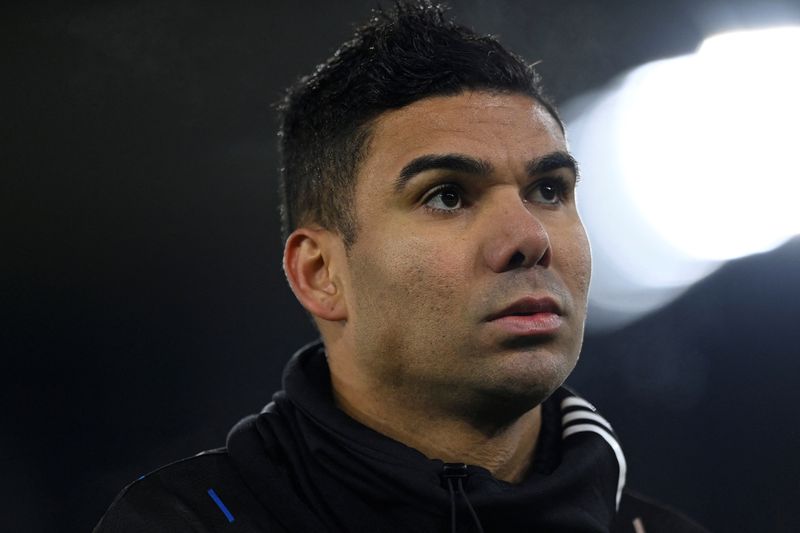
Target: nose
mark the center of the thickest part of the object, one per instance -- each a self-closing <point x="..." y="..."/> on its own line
<point x="516" y="238"/>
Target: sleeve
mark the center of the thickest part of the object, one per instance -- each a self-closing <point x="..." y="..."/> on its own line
<point x="198" y="494"/>
<point x="145" y="505"/>
<point x="638" y="514"/>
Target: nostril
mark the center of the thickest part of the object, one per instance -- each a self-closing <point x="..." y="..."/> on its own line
<point x="517" y="260"/>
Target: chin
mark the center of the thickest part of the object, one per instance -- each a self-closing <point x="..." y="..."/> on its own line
<point x="501" y="406"/>
<point x="530" y="378"/>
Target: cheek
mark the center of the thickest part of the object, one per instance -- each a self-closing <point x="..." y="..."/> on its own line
<point x="406" y="304"/>
<point x="575" y="259"/>
<point x="409" y="276"/>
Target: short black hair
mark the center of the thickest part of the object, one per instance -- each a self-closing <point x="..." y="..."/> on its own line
<point x="404" y="54"/>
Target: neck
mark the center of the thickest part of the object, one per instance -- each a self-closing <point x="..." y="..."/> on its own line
<point x="505" y="449"/>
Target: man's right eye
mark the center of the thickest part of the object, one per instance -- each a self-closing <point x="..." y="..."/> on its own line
<point x="446" y="198"/>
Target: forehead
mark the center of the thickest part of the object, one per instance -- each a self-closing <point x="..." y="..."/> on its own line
<point x="506" y="129"/>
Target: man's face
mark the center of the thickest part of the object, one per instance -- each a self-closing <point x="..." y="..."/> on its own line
<point x="468" y="278"/>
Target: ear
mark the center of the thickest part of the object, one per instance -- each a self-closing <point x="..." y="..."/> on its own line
<point x="310" y="263"/>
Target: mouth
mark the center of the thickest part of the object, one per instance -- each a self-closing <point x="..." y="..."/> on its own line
<point x="529" y="317"/>
<point x="528" y="306"/>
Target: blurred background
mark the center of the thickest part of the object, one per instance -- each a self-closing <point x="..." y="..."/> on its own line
<point x="142" y="306"/>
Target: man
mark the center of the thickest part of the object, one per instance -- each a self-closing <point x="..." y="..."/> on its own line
<point x="431" y="231"/>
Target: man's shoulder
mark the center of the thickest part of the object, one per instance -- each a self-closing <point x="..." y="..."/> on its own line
<point x="202" y="493"/>
<point x="639" y="514"/>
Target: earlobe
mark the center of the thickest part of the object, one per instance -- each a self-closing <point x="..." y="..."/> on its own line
<point x="309" y="264"/>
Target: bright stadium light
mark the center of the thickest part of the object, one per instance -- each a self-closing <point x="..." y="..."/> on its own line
<point x="689" y="162"/>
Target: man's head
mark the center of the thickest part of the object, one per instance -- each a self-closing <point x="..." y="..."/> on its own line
<point x="399" y="57"/>
<point x="452" y="268"/>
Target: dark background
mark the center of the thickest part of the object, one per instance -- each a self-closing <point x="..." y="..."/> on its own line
<point x="142" y="305"/>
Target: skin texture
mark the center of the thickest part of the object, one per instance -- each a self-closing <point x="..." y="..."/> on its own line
<point x="403" y="313"/>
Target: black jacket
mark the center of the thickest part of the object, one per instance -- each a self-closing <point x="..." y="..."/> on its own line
<point x="303" y="465"/>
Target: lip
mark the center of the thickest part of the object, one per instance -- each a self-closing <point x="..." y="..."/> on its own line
<point x="529" y="316"/>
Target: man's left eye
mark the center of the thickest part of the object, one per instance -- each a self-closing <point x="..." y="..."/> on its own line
<point x="551" y="191"/>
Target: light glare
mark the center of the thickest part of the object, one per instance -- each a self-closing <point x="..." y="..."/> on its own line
<point x="707" y="144"/>
<point x="690" y="161"/>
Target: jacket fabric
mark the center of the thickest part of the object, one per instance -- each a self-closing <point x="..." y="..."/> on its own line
<point x="304" y="465"/>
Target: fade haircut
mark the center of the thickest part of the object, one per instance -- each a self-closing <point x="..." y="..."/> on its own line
<point x="401" y="55"/>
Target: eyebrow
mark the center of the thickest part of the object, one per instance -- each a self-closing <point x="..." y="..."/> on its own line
<point x="470" y="165"/>
<point x="552" y="161"/>
<point x="454" y="162"/>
